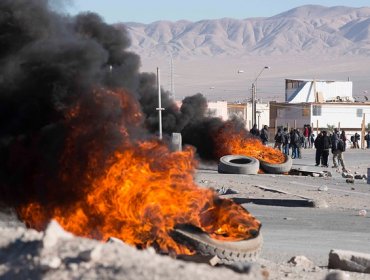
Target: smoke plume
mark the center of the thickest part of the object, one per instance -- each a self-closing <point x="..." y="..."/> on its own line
<point x="68" y="84"/>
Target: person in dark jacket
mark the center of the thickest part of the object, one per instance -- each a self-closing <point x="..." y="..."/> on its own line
<point x="295" y="142"/>
<point x="367" y="138"/>
<point x="286" y="141"/>
<point x="337" y="148"/>
<point x="326" y="145"/>
<point x="279" y="139"/>
<point x="264" y="134"/>
<point x="319" y="147"/>
<point x="357" y="138"/>
<point x="343" y="137"/>
<point x="254" y="131"/>
<point x="299" y="143"/>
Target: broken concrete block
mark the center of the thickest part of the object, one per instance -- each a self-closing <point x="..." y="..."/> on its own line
<point x="349" y="261"/>
<point x="176" y="142"/>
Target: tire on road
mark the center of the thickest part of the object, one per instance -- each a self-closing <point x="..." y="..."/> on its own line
<point x="277" y="168"/>
<point x="228" y="252"/>
<point x="238" y="164"/>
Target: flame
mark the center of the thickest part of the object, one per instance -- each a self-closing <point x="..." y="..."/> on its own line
<point x="230" y="140"/>
<point x="142" y="193"/>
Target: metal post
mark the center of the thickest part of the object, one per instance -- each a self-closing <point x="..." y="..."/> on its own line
<point x="159" y="109"/>
<point x="253" y="104"/>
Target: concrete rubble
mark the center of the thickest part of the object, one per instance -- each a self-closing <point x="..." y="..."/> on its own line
<point x="349" y="261"/>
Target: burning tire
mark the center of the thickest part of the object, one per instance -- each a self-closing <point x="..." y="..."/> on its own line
<point x="237" y="164"/>
<point x="277" y="168"/>
<point x="228" y="252"/>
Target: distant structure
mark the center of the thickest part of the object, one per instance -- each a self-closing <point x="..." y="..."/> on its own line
<point x="320" y="104"/>
<point x="243" y="111"/>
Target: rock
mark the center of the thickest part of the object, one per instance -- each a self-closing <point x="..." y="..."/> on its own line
<point x="319" y="203"/>
<point x="323" y="188"/>
<point x="115" y="240"/>
<point x="50" y="262"/>
<point x="358" y="176"/>
<point x="337" y="275"/>
<point x="349" y="261"/>
<point x="362" y="213"/>
<point x="91" y="255"/>
<point x="350" y="181"/>
<point x="53" y="233"/>
<point x="301" y="261"/>
<point x="224" y="190"/>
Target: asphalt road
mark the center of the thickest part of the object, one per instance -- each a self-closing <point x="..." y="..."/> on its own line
<point x="290" y="231"/>
<point x="312" y="232"/>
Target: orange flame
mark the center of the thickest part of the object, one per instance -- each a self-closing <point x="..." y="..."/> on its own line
<point x="144" y="191"/>
<point x="232" y="141"/>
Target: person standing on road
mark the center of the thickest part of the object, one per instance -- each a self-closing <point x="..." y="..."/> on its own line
<point x="326" y="145"/>
<point x="295" y="142"/>
<point x="255" y="131"/>
<point x="286" y="142"/>
<point x="264" y="135"/>
<point x="343" y="137"/>
<point x="319" y="147"/>
<point x="367" y="138"/>
<point x="299" y="143"/>
<point x="337" y="149"/>
<point x="312" y="141"/>
<point x="306" y="134"/>
<point x="357" y="138"/>
<point x="279" y="139"/>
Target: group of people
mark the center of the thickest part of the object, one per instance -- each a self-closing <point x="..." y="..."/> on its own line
<point x="292" y="140"/>
<point x="335" y="142"/>
<point x="263" y="133"/>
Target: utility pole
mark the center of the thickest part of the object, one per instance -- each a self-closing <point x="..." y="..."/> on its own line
<point x="159" y="109"/>
<point x="253" y="104"/>
<point x="171" y="79"/>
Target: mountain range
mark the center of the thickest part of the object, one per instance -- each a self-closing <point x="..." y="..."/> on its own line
<point x="307" y="29"/>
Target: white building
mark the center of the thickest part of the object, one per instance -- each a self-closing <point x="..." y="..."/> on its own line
<point x="320" y="104"/>
<point x="297" y="91"/>
<point x="218" y="109"/>
<point x="244" y="112"/>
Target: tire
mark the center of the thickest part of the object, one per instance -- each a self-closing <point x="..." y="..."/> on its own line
<point x="238" y="164"/>
<point x="277" y="168"/>
<point x="228" y="252"/>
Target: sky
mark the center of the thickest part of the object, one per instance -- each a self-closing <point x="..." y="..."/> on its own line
<point x="147" y="11"/>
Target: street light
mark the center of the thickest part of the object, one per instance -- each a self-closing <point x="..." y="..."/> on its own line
<point x="254" y="95"/>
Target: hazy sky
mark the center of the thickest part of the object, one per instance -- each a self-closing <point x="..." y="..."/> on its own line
<point x="147" y="11"/>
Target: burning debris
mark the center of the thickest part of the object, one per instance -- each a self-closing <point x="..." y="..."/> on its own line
<point x="76" y="140"/>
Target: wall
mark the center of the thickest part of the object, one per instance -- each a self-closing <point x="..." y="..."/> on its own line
<point x="218" y="109"/>
<point x="329" y="90"/>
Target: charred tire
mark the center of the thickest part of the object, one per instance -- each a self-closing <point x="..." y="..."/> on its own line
<point x="228" y="252"/>
<point x="277" y="168"/>
<point x="238" y="164"/>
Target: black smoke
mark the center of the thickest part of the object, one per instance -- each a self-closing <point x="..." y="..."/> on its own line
<point x="53" y="64"/>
